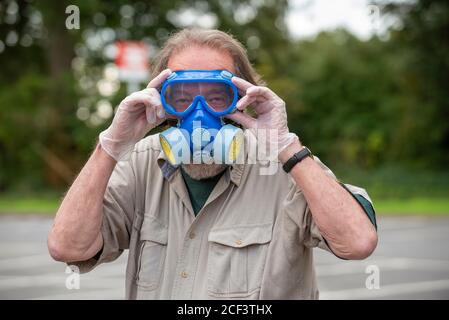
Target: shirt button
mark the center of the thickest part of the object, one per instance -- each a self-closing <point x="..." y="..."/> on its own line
<point x="184" y="274"/>
<point x="238" y="242"/>
<point x="192" y="235"/>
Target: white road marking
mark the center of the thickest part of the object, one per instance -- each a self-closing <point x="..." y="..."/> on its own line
<point x="89" y="295"/>
<point x="386" y="290"/>
<point x="44" y="260"/>
<point x="399" y="263"/>
<point x="57" y="281"/>
<point x="26" y="262"/>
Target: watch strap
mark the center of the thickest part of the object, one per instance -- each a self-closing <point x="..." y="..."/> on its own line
<point x="296" y="158"/>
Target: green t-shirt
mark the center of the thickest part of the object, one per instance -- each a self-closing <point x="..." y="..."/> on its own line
<point x="199" y="191"/>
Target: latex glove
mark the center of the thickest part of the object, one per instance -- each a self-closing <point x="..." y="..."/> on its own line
<point x="271" y="117"/>
<point x="137" y="114"/>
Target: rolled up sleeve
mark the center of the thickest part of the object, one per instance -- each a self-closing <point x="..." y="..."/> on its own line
<point x="118" y="214"/>
<point x="297" y="208"/>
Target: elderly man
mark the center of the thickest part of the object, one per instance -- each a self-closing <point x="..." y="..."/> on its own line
<point x="208" y="230"/>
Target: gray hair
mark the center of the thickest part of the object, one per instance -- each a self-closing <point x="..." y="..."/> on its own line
<point x="214" y="39"/>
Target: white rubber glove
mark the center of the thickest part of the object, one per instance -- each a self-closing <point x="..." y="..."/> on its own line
<point x="271" y="116"/>
<point x="137" y="114"/>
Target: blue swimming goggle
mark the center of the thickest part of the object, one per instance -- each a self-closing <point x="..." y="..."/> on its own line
<point x="200" y="98"/>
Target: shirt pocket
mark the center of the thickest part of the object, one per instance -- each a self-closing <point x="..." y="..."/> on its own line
<point x="153" y="237"/>
<point x="236" y="259"/>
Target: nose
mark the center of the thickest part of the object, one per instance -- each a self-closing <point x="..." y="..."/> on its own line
<point x="199" y="110"/>
<point x="198" y="105"/>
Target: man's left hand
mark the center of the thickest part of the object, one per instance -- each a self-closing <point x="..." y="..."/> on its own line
<point x="271" y="115"/>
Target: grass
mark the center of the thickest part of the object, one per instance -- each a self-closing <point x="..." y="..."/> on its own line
<point x="413" y="206"/>
<point x="48" y="204"/>
<point x="394" y="190"/>
<point x="401" y="191"/>
<point x="29" y="204"/>
<point x="398" y="183"/>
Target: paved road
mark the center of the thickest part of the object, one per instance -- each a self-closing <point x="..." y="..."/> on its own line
<point x="412" y="259"/>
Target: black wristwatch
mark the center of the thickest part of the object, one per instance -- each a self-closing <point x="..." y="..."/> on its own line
<point x="296" y="158"/>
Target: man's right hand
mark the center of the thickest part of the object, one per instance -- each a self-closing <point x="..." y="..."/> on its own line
<point x="76" y="232"/>
<point x="137" y="114"/>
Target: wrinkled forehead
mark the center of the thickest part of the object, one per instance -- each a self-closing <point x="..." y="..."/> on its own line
<point x="201" y="58"/>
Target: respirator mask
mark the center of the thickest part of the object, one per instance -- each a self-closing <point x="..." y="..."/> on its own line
<point x="199" y="99"/>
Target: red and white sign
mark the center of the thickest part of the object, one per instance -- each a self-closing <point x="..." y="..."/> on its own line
<point x="132" y="60"/>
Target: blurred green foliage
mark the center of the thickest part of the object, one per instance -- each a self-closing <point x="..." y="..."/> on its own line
<point x="361" y="106"/>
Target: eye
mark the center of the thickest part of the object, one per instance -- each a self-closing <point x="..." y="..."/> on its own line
<point x="216" y="98"/>
<point x="181" y="101"/>
<point x="181" y="104"/>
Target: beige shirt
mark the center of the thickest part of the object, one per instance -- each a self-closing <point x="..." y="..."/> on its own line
<point x="253" y="238"/>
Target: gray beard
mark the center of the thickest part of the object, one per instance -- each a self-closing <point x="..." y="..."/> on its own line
<point x="203" y="171"/>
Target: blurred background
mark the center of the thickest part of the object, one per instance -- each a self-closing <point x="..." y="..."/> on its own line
<point x="366" y="87"/>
